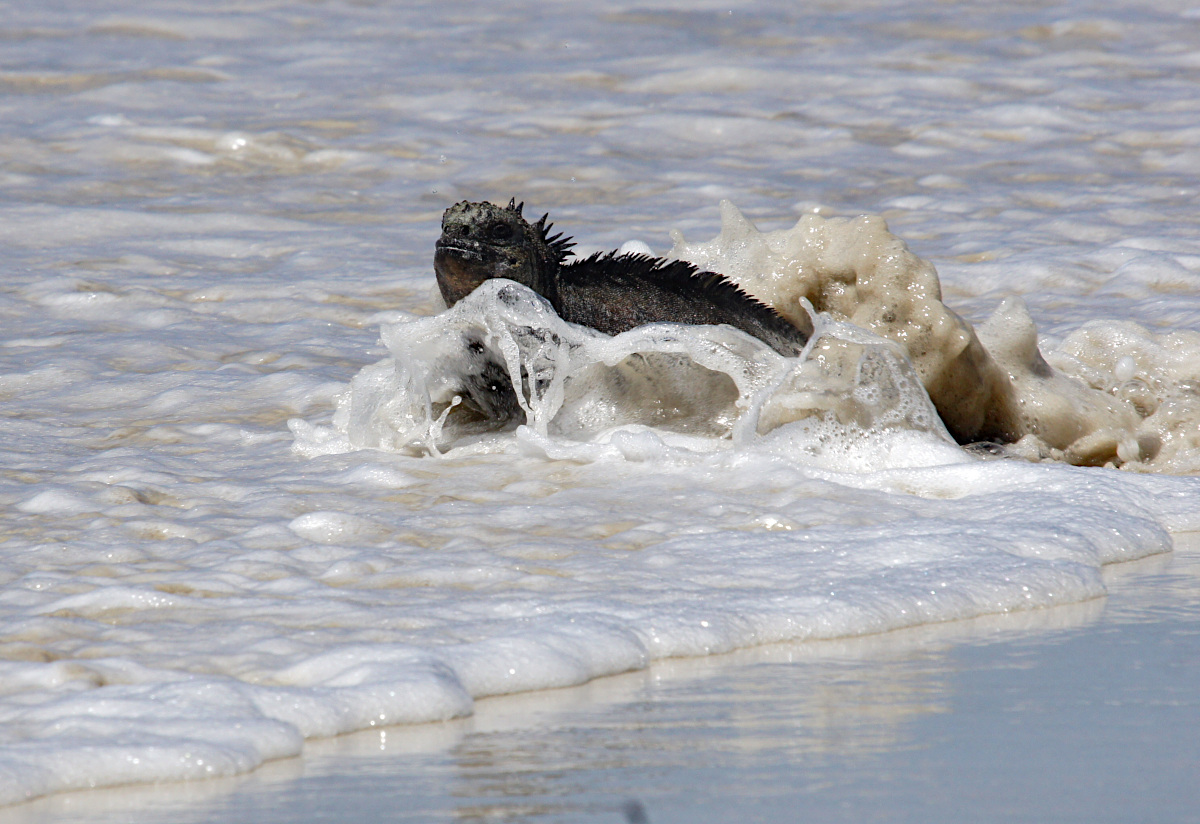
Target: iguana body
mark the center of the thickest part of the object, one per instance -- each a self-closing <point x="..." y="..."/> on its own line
<point x="609" y="292"/>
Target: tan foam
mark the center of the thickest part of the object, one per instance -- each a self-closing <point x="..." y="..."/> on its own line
<point x="990" y="384"/>
<point x="1156" y="374"/>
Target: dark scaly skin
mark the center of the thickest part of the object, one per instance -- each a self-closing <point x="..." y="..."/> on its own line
<point x="611" y="293"/>
<point x="481" y="241"/>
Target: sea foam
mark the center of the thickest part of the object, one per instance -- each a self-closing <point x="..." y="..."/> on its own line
<point x="206" y="228"/>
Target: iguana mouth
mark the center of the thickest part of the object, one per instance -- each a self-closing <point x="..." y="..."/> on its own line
<point x="461" y="247"/>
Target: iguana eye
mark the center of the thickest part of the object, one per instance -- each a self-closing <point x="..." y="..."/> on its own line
<point x="500" y="231"/>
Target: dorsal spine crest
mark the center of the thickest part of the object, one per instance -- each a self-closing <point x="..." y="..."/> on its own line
<point x="610" y="291"/>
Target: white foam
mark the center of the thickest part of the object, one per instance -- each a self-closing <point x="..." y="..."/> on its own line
<point x="209" y="217"/>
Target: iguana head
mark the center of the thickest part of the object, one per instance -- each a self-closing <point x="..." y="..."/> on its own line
<point x="481" y="241"/>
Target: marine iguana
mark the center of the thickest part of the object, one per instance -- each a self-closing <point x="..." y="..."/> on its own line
<point x="610" y="292"/>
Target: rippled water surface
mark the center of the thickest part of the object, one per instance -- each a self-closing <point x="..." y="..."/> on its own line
<point x="210" y="213"/>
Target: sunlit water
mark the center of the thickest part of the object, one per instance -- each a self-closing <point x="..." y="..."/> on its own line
<point x="212" y="213"/>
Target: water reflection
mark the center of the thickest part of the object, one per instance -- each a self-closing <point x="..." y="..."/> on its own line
<point x="763" y="722"/>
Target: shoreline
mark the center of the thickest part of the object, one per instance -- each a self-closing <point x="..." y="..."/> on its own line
<point x="843" y="730"/>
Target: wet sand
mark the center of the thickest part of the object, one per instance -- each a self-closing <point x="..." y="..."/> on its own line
<point x="1084" y="713"/>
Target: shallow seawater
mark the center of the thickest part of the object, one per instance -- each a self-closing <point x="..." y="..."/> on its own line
<point x="1015" y="717"/>
<point x="233" y="520"/>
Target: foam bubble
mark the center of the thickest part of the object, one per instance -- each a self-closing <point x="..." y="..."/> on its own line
<point x="336" y="528"/>
<point x="500" y="353"/>
<point x="1154" y="374"/>
<point x="58" y="501"/>
<point x="856" y="270"/>
<point x="992" y="383"/>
